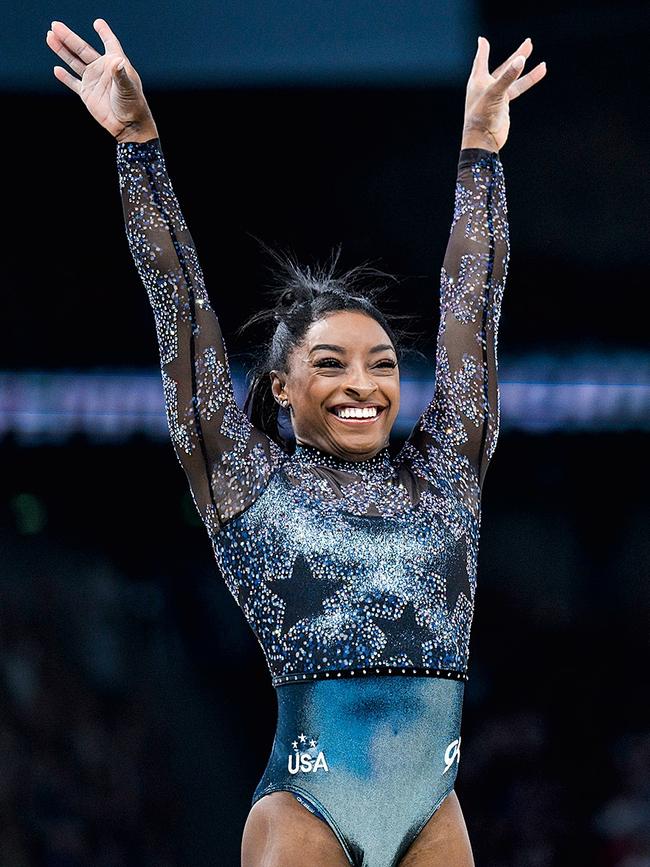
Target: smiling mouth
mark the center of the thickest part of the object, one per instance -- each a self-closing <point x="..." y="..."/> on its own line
<point x="357" y="415"/>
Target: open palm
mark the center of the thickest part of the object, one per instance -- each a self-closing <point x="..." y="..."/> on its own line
<point x="489" y="94"/>
<point x="113" y="97"/>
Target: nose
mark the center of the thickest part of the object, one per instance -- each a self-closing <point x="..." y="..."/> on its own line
<point x="360" y="389"/>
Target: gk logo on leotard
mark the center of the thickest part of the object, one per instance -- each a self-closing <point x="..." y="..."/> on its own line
<point x="452" y="754"/>
<point x="306" y="760"/>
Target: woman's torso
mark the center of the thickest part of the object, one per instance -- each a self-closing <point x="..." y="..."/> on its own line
<point x="340" y="566"/>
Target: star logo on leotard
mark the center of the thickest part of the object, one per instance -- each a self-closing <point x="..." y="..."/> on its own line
<point x="404" y="632"/>
<point x="302" y="739"/>
<point x="301" y="593"/>
<point x="308" y="759"/>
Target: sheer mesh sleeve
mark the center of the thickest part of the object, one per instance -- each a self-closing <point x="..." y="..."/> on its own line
<point x="455" y="437"/>
<point x="226" y="459"/>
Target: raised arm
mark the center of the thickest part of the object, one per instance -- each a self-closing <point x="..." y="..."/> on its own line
<point x="462" y="420"/>
<point x="454" y="439"/>
<point x="226" y="459"/>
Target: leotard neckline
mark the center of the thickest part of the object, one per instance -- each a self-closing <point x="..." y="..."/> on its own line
<point x="378" y="466"/>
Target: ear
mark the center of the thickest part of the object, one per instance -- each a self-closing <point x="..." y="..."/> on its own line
<point x="278" y="381"/>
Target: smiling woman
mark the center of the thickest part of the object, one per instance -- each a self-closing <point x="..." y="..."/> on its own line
<point x="330" y="397"/>
<point x="355" y="570"/>
<point x="346" y="562"/>
<point x="332" y="361"/>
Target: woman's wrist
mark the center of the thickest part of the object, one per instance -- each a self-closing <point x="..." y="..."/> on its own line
<point x="138" y="133"/>
<point x="474" y="138"/>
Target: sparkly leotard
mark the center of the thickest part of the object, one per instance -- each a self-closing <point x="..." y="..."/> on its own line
<point x="357" y="577"/>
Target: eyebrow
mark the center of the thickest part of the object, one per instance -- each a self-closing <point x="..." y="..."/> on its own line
<point x="381" y="347"/>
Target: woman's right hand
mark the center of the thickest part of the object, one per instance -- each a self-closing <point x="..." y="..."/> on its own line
<point x="114" y="97"/>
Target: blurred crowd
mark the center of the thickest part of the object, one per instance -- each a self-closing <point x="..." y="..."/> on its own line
<point x="82" y="776"/>
<point x="523" y="810"/>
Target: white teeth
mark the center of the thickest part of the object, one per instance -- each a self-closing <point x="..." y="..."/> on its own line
<point x="357" y="412"/>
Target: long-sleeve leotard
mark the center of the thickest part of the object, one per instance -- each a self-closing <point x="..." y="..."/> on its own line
<point x="227" y="460"/>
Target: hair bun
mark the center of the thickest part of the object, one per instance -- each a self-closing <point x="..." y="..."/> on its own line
<point x="293" y="297"/>
<point x="288" y="298"/>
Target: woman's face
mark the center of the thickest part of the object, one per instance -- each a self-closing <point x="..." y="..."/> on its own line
<point x="346" y="359"/>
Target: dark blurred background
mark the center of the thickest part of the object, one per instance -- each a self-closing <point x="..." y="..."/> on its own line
<point x="136" y="711"/>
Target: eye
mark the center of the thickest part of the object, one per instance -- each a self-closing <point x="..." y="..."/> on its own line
<point x="334" y="362"/>
<point x="324" y="362"/>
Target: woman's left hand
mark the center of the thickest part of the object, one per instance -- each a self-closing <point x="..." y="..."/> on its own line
<point x="488" y="95"/>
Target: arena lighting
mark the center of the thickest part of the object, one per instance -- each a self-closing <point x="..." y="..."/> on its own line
<point x="539" y="393"/>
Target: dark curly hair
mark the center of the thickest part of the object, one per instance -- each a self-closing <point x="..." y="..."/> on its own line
<point x="301" y="295"/>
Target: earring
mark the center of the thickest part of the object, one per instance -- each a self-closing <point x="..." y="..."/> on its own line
<point x="284" y="403"/>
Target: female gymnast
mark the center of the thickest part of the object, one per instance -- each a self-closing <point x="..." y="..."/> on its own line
<point x="356" y="570"/>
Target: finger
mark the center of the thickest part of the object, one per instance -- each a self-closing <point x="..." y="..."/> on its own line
<point x="74" y="43"/>
<point x="110" y="40"/>
<point x="480" y="64"/>
<point x="61" y="51"/>
<point x="510" y="73"/>
<point x="521" y="85"/>
<point x="525" y="48"/>
<point x="69" y="80"/>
